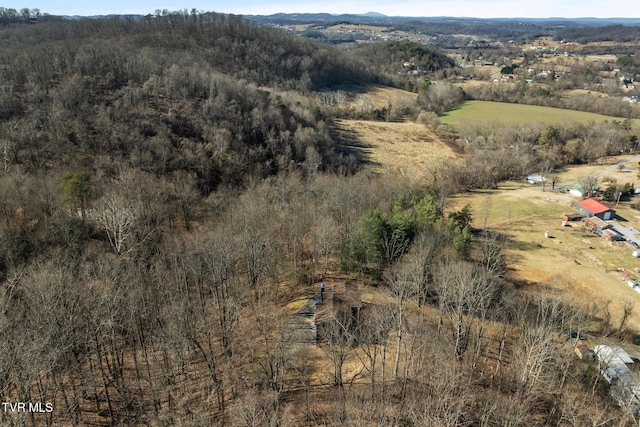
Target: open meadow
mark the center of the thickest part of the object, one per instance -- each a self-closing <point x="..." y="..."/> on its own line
<point x="477" y="112"/>
<point x="375" y="96"/>
<point x="405" y="148"/>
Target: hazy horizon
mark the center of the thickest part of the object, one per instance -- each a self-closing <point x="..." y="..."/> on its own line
<point x="408" y="8"/>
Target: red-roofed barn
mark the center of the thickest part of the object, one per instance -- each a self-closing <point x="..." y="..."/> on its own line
<point x="591" y="208"/>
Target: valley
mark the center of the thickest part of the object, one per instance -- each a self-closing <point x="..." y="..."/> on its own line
<point x="217" y="220"/>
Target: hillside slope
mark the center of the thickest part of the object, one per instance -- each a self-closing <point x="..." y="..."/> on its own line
<point x="169" y="93"/>
<point x="405" y="148"/>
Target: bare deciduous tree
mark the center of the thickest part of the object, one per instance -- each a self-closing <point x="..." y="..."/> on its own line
<point x="338" y="341"/>
<point x="465" y="294"/>
<point x="627" y="310"/>
<point x="588" y="185"/>
<point x="117" y="220"/>
<point x="401" y="281"/>
<point x="325" y="241"/>
<point x="373" y="334"/>
<point x="491" y="253"/>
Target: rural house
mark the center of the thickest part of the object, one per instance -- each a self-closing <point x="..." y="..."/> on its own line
<point x="591" y="208"/>
<point x="342" y="304"/>
<point x="614" y="365"/>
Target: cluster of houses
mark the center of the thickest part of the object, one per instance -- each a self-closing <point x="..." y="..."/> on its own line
<point x="594" y="216"/>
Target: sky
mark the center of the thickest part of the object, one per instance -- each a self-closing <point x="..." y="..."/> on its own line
<point x="455" y="8"/>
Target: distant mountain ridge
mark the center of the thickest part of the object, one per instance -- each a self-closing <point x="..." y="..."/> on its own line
<point x="375" y="17"/>
<point x="374" y="14"/>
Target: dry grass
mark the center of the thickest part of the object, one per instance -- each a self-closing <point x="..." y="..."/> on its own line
<point x="583" y="93"/>
<point x="408" y="149"/>
<point x="628" y="173"/>
<point x="375" y="96"/>
<point x="574" y="264"/>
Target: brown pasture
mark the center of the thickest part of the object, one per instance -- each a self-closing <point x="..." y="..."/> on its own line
<point x="572" y="263"/>
<point x="405" y="148"/>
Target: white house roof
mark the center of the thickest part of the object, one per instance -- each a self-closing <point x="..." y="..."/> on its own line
<point x="534" y="177"/>
<point x="611" y="353"/>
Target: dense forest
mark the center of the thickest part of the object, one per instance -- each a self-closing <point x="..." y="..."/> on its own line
<point x="175" y="93"/>
<point x="170" y="188"/>
<point x="618" y="33"/>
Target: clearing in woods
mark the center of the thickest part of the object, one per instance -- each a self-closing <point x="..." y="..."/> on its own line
<point x="575" y="264"/>
<point x="405" y="148"/>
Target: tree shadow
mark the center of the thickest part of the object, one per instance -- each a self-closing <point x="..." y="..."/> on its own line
<point x="349" y="144"/>
<point x="620" y="218"/>
<point x="521" y="284"/>
<point x="353" y="89"/>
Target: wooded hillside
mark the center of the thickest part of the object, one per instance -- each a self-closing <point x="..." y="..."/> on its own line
<point x="203" y="94"/>
<point x="171" y="198"/>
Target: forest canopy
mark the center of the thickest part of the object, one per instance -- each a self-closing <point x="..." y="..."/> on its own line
<point x="205" y="94"/>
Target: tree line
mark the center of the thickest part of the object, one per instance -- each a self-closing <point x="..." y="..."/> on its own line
<point x="616" y="33"/>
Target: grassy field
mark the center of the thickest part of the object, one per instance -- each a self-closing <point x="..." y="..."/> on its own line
<point x="406" y="148"/>
<point x="375" y="96"/>
<point x="476" y="112"/>
<point x="573" y="263"/>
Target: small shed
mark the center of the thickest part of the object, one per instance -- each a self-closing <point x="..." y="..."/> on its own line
<point x="592" y="207"/>
<point x="596" y="224"/>
<point x="583" y="351"/>
<point x="572" y="217"/>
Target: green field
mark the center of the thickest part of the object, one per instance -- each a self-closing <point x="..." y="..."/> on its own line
<point x="476" y="112"/>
